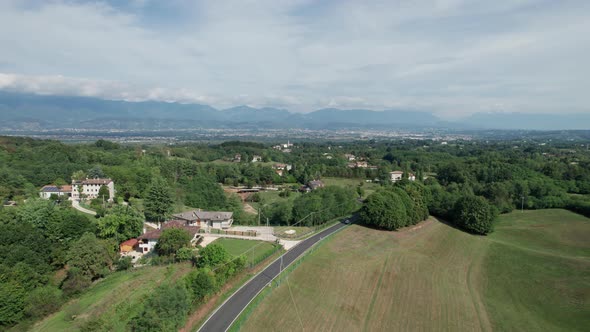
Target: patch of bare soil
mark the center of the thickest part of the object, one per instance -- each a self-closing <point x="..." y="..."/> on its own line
<point x="249" y="209"/>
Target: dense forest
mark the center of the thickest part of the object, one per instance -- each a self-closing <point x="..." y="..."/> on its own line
<point x="50" y="252"/>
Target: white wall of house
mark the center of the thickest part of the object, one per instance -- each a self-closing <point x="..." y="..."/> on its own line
<point x="90" y="191"/>
<point x="147" y="246"/>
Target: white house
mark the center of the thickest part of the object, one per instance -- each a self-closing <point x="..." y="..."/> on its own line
<point x="89" y="188"/>
<point x="52" y="189"/>
<point x="213" y="219"/>
<point x="281" y="168"/>
<point x="256" y="159"/>
<point x="398" y="175"/>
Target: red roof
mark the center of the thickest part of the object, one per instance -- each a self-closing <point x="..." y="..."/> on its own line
<point x="130" y="242"/>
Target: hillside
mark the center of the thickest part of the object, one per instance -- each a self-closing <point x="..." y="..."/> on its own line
<point x="532" y="274"/>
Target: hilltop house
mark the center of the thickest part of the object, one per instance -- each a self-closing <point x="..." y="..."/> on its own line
<point x="60" y="191"/>
<point x="89" y="188"/>
<point x="213" y="219"/>
<point x="398" y="176"/>
<point x="281" y="168"/>
<point x="148" y="240"/>
<point x="256" y="159"/>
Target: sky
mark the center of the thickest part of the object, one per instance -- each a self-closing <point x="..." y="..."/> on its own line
<point x="449" y="57"/>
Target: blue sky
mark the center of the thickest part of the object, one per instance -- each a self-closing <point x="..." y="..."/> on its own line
<point x="451" y="57"/>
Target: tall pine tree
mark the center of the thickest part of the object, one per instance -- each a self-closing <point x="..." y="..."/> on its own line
<point x="158" y="203"/>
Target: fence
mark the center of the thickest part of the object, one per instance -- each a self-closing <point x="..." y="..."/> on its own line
<point x="224" y="232"/>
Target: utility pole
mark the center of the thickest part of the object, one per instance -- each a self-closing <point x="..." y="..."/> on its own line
<point x="521" y="203"/>
<point x="259" y="216"/>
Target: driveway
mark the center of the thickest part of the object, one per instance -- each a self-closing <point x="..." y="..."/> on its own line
<point x="76" y="205"/>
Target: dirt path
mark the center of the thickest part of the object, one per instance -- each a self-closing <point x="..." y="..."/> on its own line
<point x="249" y="209"/>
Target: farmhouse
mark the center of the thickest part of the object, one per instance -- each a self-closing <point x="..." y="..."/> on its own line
<point x="213" y="219"/>
<point x="398" y="176"/>
<point x="281" y="168"/>
<point x="89" y="188"/>
<point x="60" y="191"/>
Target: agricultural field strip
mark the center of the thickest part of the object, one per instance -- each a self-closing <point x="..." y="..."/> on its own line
<point x="229" y="311"/>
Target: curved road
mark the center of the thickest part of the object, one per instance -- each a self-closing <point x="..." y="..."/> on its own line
<point x="225" y="315"/>
<point x="76" y="205"/>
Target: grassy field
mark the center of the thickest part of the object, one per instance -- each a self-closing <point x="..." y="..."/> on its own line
<point x="532" y="274"/>
<point x="368" y="187"/>
<point x="253" y="250"/>
<point x="114" y="300"/>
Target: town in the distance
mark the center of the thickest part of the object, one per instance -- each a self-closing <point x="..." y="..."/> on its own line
<point x="222" y="230"/>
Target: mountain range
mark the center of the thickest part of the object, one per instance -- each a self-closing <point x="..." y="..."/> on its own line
<point x="38" y="112"/>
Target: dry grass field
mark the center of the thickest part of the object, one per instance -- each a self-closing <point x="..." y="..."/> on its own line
<point x="435" y="277"/>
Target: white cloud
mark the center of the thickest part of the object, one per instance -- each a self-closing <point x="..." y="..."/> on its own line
<point x="453" y="57"/>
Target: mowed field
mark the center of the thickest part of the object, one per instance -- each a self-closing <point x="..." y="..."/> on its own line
<point x="532" y="274"/>
<point x="113" y="301"/>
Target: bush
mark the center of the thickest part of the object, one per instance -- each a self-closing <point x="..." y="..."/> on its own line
<point x="201" y="283"/>
<point x="124" y="263"/>
<point x="164" y="310"/>
<point x="43" y="301"/>
<point x="185" y="254"/>
<point x="213" y="255"/>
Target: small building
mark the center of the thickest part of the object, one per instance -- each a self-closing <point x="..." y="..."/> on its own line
<point x="237" y="158"/>
<point x="60" y="191"/>
<point x="128" y="246"/>
<point x="398" y="176"/>
<point x="350" y="157"/>
<point x="256" y="159"/>
<point x="315" y="184"/>
<point x="281" y="168"/>
<point x="89" y="188"/>
<point x="358" y="164"/>
<point x="212" y="219"/>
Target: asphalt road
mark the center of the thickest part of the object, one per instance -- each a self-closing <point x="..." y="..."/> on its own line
<point x="222" y="319"/>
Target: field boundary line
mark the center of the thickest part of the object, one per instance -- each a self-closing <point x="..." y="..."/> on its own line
<point x="374" y="293"/>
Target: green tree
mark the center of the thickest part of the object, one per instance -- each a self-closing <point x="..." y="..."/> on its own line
<point x="104" y="194"/>
<point x="213" y="255"/>
<point x="171" y="240"/>
<point x="121" y="223"/>
<point x="164" y="310"/>
<point x="91" y="256"/>
<point x="201" y="282"/>
<point x="384" y="209"/>
<point x="12" y="302"/>
<point x="474" y="214"/>
<point x="43" y="301"/>
<point x="158" y="203"/>
<point x="96" y="172"/>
